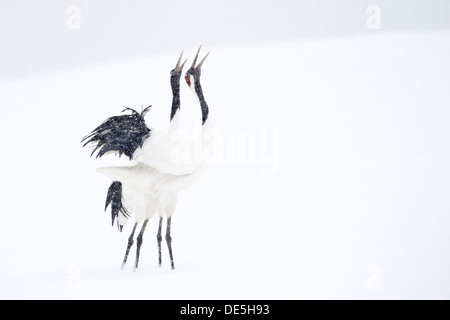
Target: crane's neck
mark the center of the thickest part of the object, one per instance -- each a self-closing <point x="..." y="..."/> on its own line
<point x="201" y="99"/>
<point x="207" y="133"/>
<point x="175" y="97"/>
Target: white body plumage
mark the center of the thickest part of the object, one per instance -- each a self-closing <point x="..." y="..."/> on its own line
<point x="152" y="183"/>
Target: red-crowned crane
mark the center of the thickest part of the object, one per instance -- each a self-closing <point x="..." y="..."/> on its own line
<point x="152" y="182"/>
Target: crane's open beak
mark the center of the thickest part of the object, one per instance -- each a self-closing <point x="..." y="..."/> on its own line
<point x="179" y="68"/>
<point x="198" y="67"/>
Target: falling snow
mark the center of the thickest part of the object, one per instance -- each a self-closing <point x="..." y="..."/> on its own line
<point x="356" y="206"/>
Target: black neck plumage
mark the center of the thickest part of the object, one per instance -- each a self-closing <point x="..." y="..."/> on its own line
<point x="175" y="99"/>
<point x="201" y="98"/>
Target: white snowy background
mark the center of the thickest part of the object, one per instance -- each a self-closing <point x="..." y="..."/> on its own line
<point x="332" y="176"/>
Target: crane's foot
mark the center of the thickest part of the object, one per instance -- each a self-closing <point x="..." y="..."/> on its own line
<point x="130" y="244"/>
<point x="169" y="245"/>
<point x="139" y="244"/>
<point x="138" y="251"/>
<point x="159" y="240"/>
<point x="169" y="242"/>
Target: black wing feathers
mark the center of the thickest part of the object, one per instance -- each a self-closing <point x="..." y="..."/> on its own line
<point x="123" y="134"/>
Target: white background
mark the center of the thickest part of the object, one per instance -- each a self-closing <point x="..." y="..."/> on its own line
<point x="347" y="196"/>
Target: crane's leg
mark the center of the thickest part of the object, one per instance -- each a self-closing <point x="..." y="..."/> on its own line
<point x="169" y="242"/>
<point x="139" y="243"/>
<point x="130" y="243"/>
<point x="159" y="239"/>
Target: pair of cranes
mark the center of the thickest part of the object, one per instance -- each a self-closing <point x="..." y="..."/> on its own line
<point x="152" y="182"/>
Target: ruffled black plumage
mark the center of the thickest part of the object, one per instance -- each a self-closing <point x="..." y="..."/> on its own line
<point x="123" y="134"/>
<point x="114" y="197"/>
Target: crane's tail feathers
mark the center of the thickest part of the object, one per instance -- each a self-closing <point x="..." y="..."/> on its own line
<point x="114" y="197"/>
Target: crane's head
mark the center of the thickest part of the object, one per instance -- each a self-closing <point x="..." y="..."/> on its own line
<point x="193" y="74"/>
<point x="175" y="74"/>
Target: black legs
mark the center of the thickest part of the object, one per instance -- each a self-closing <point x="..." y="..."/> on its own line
<point x="140" y="240"/>
<point x="130" y="243"/>
<point x="139" y="243"/>
<point x="159" y="239"/>
<point x="169" y="242"/>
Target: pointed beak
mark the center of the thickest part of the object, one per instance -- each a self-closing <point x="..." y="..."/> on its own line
<point x="196" y="57"/>
<point x="201" y="62"/>
<point x="182" y="65"/>
<point x="198" y="67"/>
<point x="178" y="67"/>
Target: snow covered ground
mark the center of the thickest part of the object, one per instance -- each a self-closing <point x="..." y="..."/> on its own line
<point x="331" y="177"/>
